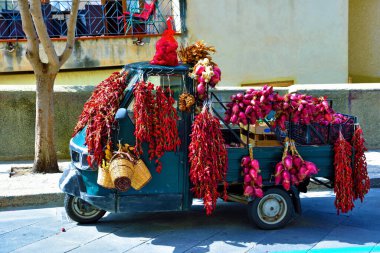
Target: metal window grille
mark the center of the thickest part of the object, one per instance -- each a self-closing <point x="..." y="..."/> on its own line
<point x="97" y="18"/>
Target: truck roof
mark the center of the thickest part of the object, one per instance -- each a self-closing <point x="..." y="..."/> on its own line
<point x="181" y="68"/>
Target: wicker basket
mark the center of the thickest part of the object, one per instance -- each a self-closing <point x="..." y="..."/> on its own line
<point x="104" y="178"/>
<point x="121" y="171"/>
<point x="141" y="176"/>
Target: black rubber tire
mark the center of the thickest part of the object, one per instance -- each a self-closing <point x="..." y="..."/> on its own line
<point x="280" y="205"/>
<point x="89" y="214"/>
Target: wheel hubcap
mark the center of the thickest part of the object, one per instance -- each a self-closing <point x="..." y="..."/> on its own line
<point x="84" y="209"/>
<point x="272" y="208"/>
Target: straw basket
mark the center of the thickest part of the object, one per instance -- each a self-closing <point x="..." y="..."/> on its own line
<point x="104" y="178"/>
<point x="141" y="176"/>
<point x="121" y="171"/>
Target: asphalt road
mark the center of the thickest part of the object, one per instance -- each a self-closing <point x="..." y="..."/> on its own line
<point x="318" y="229"/>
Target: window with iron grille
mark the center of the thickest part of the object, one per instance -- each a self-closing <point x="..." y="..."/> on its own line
<point x="97" y="17"/>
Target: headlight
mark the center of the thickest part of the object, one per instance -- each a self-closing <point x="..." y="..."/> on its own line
<point x="79" y="156"/>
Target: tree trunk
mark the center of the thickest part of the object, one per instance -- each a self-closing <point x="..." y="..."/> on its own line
<point x="45" y="158"/>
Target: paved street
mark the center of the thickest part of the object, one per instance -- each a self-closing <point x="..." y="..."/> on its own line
<point x="319" y="229"/>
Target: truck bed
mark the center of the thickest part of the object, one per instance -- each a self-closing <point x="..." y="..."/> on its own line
<point x="268" y="157"/>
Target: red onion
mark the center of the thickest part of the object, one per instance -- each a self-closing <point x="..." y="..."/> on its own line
<point x="311" y="167"/>
<point x="259" y="180"/>
<point x="245" y="160"/>
<point x="286" y="175"/>
<point x="242" y="115"/>
<point x="199" y="70"/>
<point x="248" y="96"/>
<point x="248" y="191"/>
<point x="253" y="173"/>
<point x="288" y="162"/>
<point x="297" y="161"/>
<point x="294" y="179"/>
<point x="227" y="119"/>
<point x="255" y="164"/>
<point x="258" y="192"/>
<point x="201" y="88"/>
<point x="239" y="97"/>
<point x="279" y="168"/>
<point x="247" y="179"/>
<point x="235" y="108"/>
<point x="234" y="119"/>
<point x="302" y="174"/>
<point x="278" y="179"/>
<point x="248" y="110"/>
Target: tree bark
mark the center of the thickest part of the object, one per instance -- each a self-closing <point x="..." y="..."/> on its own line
<point x="45" y="159"/>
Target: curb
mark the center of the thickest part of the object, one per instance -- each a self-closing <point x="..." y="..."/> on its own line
<point x="51" y="199"/>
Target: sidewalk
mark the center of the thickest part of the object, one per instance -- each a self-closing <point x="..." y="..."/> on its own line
<point x="29" y="189"/>
<point x="42" y="189"/>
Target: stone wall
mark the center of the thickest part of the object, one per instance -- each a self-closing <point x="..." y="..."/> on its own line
<point x="17" y="113"/>
<point x="17" y="119"/>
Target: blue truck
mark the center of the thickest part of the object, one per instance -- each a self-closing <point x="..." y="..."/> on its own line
<point x="87" y="202"/>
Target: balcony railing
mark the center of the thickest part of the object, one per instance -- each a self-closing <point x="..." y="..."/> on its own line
<point x="97" y="18"/>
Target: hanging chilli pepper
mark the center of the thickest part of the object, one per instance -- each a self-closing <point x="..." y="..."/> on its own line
<point x="99" y="114"/>
<point x="144" y="109"/>
<point x="343" y="175"/>
<point x="208" y="159"/>
<point x="156" y="121"/>
<point x="360" y="174"/>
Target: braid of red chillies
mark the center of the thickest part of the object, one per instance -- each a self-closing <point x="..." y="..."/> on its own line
<point x="99" y="114"/>
<point x="166" y="131"/>
<point x="156" y="121"/>
<point x="208" y="159"/>
<point x="343" y="176"/>
<point x="360" y="174"/>
<point x="144" y="108"/>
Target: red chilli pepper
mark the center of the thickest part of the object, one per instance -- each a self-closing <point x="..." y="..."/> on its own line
<point x="208" y="159"/>
<point x="360" y="174"/>
<point x="99" y="114"/>
<point x="343" y="186"/>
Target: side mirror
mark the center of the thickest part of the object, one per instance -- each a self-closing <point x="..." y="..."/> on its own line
<point x="121" y="114"/>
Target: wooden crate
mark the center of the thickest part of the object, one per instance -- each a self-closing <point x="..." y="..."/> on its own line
<point x="258" y="128"/>
<point x="261" y="140"/>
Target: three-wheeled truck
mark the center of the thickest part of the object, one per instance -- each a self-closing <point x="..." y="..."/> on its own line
<point x="87" y="202"/>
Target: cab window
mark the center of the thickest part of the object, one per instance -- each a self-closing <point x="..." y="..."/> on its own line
<point x="174" y="82"/>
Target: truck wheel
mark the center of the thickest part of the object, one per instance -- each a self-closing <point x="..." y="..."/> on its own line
<point x="272" y="211"/>
<point x="81" y="211"/>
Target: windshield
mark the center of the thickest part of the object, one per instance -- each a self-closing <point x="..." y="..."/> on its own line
<point x="174" y="82"/>
<point x="132" y="78"/>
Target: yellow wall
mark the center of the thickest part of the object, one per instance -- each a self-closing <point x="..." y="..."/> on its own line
<point x="78" y="77"/>
<point x="364" y="40"/>
<point x="89" y="53"/>
<point x="256" y="40"/>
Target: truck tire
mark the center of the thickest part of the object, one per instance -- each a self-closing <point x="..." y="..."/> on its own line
<point x="80" y="211"/>
<point x="272" y="211"/>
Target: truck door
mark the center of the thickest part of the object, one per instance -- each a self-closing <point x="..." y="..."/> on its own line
<point x="170" y="181"/>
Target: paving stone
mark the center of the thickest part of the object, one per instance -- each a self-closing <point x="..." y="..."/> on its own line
<point x="124" y="239"/>
<point x="293" y="238"/>
<point x="347" y="237"/>
<point x="234" y="239"/>
<point x="49" y="245"/>
<point x="21" y="237"/>
<point x="85" y="233"/>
